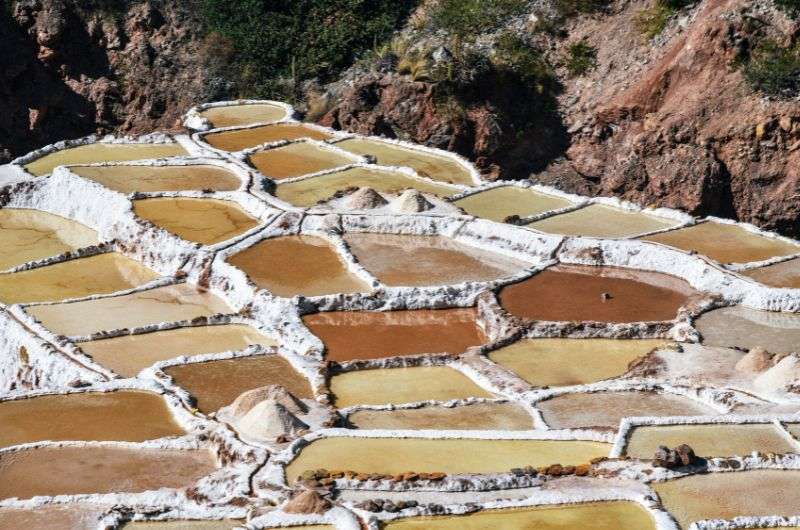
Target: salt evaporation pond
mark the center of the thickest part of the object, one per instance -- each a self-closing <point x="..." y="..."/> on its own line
<point x="480" y="416"/>
<point x="603" y="294"/>
<point x="53" y="517"/>
<point x="497" y="204"/>
<point x="310" y="191"/>
<point x="435" y="167"/>
<point x="564" y="362"/>
<point x="215" y="384"/>
<point x="598" y="220"/>
<point x="611" y="515"/>
<point x="394" y="260"/>
<point x="728" y="495"/>
<point x="170" y="303"/>
<point x="297" y="265"/>
<point x="183" y="525"/>
<point x="232" y="115"/>
<point x="725" y="243"/>
<point x="123" y="415"/>
<point x="708" y="439"/>
<point x="72" y="470"/>
<point x="240" y="139"/>
<point x="204" y="221"/>
<point x="607" y="409"/>
<point x="99" y="152"/>
<point x="350" y="335"/>
<point x="783" y="274"/>
<point x="392" y="456"/>
<point x="30" y="235"/>
<point x="149" y="179"/>
<point x="129" y="354"/>
<point x="402" y="385"/>
<point x="296" y="159"/>
<point x="749" y="328"/>
<point x="77" y="278"/>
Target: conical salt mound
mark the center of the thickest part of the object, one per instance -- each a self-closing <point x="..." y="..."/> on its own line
<point x="365" y="199"/>
<point x="307" y="501"/>
<point x="756" y="361"/>
<point x="247" y="400"/>
<point x="784" y="373"/>
<point x="411" y="201"/>
<point x="268" y="420"/>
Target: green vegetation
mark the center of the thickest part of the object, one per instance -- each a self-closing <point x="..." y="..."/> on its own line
<point x="278" y="44"/>
<point x="652" y="21"/>
<point x="569" y="8"/>
<point x="792" y="7"/>
<point x="582" y="58"/>
<point x="468" y="18"/>
<point x="774" y="70"/>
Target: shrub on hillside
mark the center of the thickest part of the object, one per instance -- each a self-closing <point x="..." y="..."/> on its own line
<point x="468" y="18"/>
<point x="652" y="21"/>
<point x="582" y="58"/>
<point x="792" y="7"/>
<point x="774" y="70"/>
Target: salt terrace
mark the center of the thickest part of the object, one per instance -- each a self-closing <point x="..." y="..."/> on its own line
<point x="269" y="324"/>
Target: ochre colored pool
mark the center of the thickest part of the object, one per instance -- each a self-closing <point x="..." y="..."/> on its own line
<point x="784" y="274"/>
<point x="232" y="115"/>
<point x="576" y="293"/>
<point x="749" y="328"/>
<point x="597" y="220"/>
<point x="349" y="335"/>
<point x="298" y="265"/>
<point x="308" y="192"/>
<point x="129" y="354"/>
<point x="129" y="179"/>
<point x="725" y="243"/>
<point x="75" y="516"/>
<point x="237" y="140"/>
<point x="398" y="455"/>
<point x="563" y="362"/>
<point x="499" y="203"/>
<point x="481" y="416"/>
<point x="92" y="153"/>
<point x="30" y="235"/>
<point x="204" y="221"/>
<point x="297" y="159"/>
<point x="101" y="274"/>
<point x="124" y="415"/>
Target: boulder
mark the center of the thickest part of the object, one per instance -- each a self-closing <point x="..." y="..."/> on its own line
<point x="681" y="456"/>
<point x="307" y="501"/>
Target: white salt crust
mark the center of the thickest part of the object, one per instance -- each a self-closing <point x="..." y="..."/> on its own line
<point x="54" y="364"/>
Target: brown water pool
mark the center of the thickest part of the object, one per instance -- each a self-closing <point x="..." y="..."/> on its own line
<point x="53" y="471"/>
<point x="101" y="274"/>
<point x="350" y="335"/>
<point x="129" y="354"/>
<point x="298" y="265"/>
<point x="394" y="260"/>
<point x="784" y="274"/>
<point x="53" y="517"/>
<point x="163" y="304"/>
<point x="124" y="415"/>
<point x="240" y="139"/>
<point x="225" y="524"/>
<point x="92" y="153"/>
<point x="215" y="384"/>
<point x="575" y="293"/>
<point x="296" y="159"/>
<point x="748" y="328"/>
<point x="128" y="179"/>
<point x="232" y="115"/>
<point x="481" y="416"/>
<point x="204" y="221"/>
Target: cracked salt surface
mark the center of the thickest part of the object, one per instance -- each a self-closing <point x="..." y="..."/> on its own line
<point x="446" y="369"/>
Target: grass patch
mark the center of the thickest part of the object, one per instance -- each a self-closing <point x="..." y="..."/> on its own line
<point x="652" y="21"/>
<point x="568" y="8"/>
<point x="466" y="19"/>
<point x="792" y="7"/>
<point x="581" y="59"/>
<point x="774" y="70"/>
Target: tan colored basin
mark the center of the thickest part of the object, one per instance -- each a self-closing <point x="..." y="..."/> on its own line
<point x="240" y="139"/>
<point x="352" y="335"/>
<point x="481" y="416"/>
<point x="171" y="303"/>
<point x="232" y="115"/>
<point x="124" y="415"/>
<point x="395" y="259"/>
<point x="398" y="455"/>
<point x="98" y="469"/>
<point x="728" y="495"/>
<point x="563" y="362"/>
<point x="597" y="220"/>
<point x="607" y="409"/>
<point x="226" y="524"/>
<point x="748" y="328"/>
<point x="497" y="204"/>
<point x="576" y="293"/>
<point x="297" y="265"/>
<point x="204" y="221"/>
<point x="215" y="384"/>
<point x="92" y="153"/>
<point x="429" y="165"/>
<point x="30" y="235"/>
<point x="596" y="516"/>
<point x="784" y="274"/>
<point x="102" y="274"/>
<point x="128" y="179"/>
<point x="402" y="385"/>
<point x="53" y="517"/>
<point x="725" y="243"/>
<point x="129" y="354"/>
<point x="297" y="159"/>
<point x="708" y="440"/>
<point x="308" y="192"/>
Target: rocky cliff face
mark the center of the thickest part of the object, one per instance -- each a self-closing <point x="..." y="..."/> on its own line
<point x="70" y="68"/>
